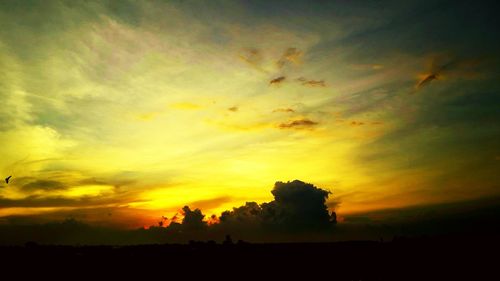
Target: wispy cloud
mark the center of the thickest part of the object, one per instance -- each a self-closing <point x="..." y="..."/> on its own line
<point x="284" y="110"/>
<point x="43" y="185"/>
<point x="298" y="124"/>
<point x="291" y="55"/>
<point x="253" y="57"/>
<point x="356" y="123"/>
<point x="312" y="83"/>
<point x="443" y="66"/>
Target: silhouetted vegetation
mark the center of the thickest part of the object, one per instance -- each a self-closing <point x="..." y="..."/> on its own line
<point x="424" y="258"/>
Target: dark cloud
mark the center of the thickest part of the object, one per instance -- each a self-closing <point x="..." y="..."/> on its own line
<point x="298" y="213"/>
<point x="233" y="108"/>
<point x="426" y="80"/>
<point x="192" y="226"/>
<point x="300" y="123"/>
<point x="291" y="55"/>
<point x="37" y="201"/>
<point x="277" y="81"/>
<point x="34" y="201"/>
<point x="246" y="215"/>
<point x="247" y="222"/>
<point x="285" y="110"/>
<point x="193" y="219"/>
<point x="43" y="185"/>
<point x="297" y="207"/>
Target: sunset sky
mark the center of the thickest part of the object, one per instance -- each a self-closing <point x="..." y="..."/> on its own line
<point x="119" y="112"/>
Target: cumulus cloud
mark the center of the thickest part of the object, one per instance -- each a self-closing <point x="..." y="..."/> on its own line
<point x="297" y="206"/>
<point x="298" y="124"/>
<point x="298" y="209"/>
<point x="193" y="219"/>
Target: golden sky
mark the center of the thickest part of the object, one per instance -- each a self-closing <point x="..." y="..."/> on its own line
<point x="125" y="111"/>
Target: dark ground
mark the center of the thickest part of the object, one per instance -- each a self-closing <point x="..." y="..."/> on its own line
<point x="423" y="258"/>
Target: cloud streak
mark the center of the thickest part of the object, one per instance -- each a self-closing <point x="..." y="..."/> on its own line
<point x="313" y="83"/>
<point x="298" y="124"/>
<point x="277" y="80"/>
<point x="284" y="110"/>
<point x="290" y="56"/>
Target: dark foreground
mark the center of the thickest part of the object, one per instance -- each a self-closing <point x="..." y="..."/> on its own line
<point x="438" y="258"/>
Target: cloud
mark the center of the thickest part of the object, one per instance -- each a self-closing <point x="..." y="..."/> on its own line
<point x="193" y="219"/>
<point x="314" y="83"/>
<point x="46" y="185"/>
<point x="441" y="66"/>
<point x="426" y="80"/>
<point x="357" y="123"/>
<point x="297" y="207"/>
<point x="300" y="123"/>
<point x="36" y="201"/>
<point x="284" y="110"/>
<point x="233" y="108"/>
<point x="291" y="55"/>
<point x="366" y="66"/>
<point x="277" y="81"/>
<point x="253" y="57"/>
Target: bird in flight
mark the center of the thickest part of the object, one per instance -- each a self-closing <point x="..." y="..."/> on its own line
<point x="7" y="179"/>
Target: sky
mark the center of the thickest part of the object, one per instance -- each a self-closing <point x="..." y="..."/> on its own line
<point x="120" y="112"/>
